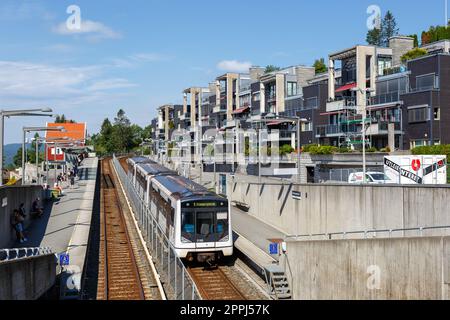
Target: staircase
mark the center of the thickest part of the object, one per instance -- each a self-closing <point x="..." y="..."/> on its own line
<point x="278" y="285"/>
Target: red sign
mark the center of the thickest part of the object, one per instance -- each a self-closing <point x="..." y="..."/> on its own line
<point x="57" y="156"/>
<point x="416" y="165"/>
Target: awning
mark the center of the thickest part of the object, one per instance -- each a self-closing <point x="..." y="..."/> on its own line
<point x="241" y="110"/>
<point x="346" y="87"/>
<point x="274" y="123"/>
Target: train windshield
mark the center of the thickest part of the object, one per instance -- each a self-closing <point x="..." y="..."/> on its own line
<point x="204" y="225"/>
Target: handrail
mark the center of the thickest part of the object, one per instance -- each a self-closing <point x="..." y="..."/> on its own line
<point x="23" y="253"/>
<point x="329" y="236"/>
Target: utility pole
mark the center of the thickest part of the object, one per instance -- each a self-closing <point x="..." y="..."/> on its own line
<point x="446" y="13"/>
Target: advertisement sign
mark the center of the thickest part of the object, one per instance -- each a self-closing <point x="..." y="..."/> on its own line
<point x="425" y="170"/>
<point x="57" y="156"/>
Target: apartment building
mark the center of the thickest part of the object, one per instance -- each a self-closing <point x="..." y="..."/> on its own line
<point x="402" y="105"/>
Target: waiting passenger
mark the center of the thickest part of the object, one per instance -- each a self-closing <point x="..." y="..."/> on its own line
<point x="36" y="209"/>
<point x="18" y="226"/>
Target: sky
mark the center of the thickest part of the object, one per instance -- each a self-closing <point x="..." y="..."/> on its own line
<point x="140" y="54"/>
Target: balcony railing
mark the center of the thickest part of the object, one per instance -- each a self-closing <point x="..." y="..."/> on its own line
<point x="336" y="130"/>
<point x="219" y="109"/>
<point x="382" y="128"/>
<point x="386" y="98"/>
<point x="342" y="104"/>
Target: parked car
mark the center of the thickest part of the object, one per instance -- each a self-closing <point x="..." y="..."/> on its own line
<point x="371" y="178"/>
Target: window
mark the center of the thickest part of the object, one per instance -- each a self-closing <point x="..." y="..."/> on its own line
<point x="426" y="82"/>
<point x="291" y="89"/>
<point x="307" y="126"/>
<point x="256" y="97"/>
<point x="418" y="143"/>
<point x="311" y="103"/>
<point x="418" y="115"/>
<point x="437" y="114"/>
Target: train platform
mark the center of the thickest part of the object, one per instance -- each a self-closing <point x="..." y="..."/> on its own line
<point x="254" y="237"/>
<point x="66" y="222"/>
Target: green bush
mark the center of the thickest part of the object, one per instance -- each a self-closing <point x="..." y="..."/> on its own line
<point x="286" y="149"/>
<point x="344" y="150"/>
<point x="372" y="150"/>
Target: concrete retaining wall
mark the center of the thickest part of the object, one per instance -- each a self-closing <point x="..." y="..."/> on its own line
<point x="27" y="279"/>
<point x="343" y="208"/>
<point x="14" y="196"/>
<point x="408" y="268"/>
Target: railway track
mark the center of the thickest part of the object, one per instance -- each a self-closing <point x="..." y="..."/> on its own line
<point x="119" y="277"/>
<point x="215" y="285"/>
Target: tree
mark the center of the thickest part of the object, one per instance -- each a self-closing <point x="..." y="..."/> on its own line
<point x="416" y="40"/>
<point x="320" y="66"/>
<point x="122" y="134"/>
<point x="374" y="37"/>
<point x="413" y="54"/>
<point x="389" y="28"/>
<point x="271" y="68"/>
<point x="17" y="160"/>
<point x="32" y="151"/>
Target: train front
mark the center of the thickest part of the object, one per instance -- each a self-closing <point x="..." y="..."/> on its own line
<point x="206" y="233"/>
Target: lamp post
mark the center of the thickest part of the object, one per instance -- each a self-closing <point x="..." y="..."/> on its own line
<point x="17" y="113"/>
<point x="33" y="129"/>
<point x="364" y="93"/>
<point x="57" y="143"/>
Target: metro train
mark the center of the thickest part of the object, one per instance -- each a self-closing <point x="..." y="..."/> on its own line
<point x="196" y="221"/>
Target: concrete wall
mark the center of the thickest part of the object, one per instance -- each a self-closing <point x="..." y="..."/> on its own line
<point x="14" y="197"/>
<point x="407" y="269"/>
<point x="27" y="279"/>
<point x="343" y="208"/>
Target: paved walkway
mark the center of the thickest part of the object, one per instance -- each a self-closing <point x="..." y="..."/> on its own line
<point x="69" y="214"/>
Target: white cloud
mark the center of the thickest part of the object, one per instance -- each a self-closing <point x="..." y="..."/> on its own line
<point x="110" y="84"/>
<point x="24" y="80"/>
<point x="234" y="66"/>
<point x="94" y="30"/>
<point x="149" y="57"/>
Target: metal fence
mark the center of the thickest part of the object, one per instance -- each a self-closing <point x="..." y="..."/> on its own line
<point x="176" y="279"/>
<point x="23" y="253"/>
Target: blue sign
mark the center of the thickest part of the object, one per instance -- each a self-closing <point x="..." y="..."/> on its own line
<point x="273" y="248"/>
<point x="64" y="259"/>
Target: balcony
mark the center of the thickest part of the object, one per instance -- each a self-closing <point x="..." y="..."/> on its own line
<point x="340" y="105"/>
<point x="382" y="128"/>
<point x="219" y="109"/>
<point x="386" y="98"/>
<point x="336" y="130"/>
<point x="282" y="135"/>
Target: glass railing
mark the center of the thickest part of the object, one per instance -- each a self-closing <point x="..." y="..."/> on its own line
<point x="386" y="97"/>
<point x="335" y="129"/>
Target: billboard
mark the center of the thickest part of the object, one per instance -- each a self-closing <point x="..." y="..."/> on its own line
<point x="58" y="156"/>
<point x="430" y="169"/>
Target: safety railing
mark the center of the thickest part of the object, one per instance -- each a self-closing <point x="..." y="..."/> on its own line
<point x="380" y="233"/>
<point x="23" y="253"/>
<point x="178" y="283"/>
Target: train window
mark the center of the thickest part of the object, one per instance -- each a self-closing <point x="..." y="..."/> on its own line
<point x="205" y="227"/>
<point x="188" y="227"/>
<point x="222" y="228"/>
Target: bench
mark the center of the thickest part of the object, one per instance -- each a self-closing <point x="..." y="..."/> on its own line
<point x="241" y="205"/>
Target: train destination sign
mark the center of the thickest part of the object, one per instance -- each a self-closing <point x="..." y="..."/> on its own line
<point x="205" y="204"/>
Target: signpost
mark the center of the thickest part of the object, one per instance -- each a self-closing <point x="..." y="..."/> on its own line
<point x="297" y="195"/>
<point x="64" y="259"/>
